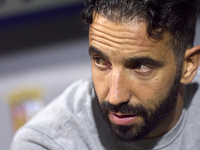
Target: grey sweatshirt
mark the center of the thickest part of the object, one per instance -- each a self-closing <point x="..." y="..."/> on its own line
<point x="73" y="122"/>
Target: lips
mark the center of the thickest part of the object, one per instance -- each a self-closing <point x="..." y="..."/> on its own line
<point x="120" y="119"/>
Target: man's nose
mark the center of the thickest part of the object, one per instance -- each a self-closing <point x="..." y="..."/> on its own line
<point x="118" y="88"/>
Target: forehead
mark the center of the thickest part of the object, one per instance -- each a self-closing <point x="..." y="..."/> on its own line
<point x="125" y="40"/>
<point x="123" y="35"/>
<point x="123" y="31"/>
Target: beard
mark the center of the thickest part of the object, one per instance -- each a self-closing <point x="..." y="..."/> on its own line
<point x="151" y="118"/>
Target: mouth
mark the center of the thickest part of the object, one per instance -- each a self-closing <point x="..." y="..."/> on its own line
<point x="122" y="119"/>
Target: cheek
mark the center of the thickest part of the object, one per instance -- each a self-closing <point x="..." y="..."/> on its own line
<point x="100" y="84"/>
<point x="151" y="93"/>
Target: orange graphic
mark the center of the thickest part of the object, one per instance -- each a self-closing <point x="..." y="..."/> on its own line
<point x="24" y="104"/>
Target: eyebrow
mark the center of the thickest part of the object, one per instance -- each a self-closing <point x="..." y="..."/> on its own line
<point x="129" y="61"/>
<point x="144" y="60"/>
<point x="93" y="50"/>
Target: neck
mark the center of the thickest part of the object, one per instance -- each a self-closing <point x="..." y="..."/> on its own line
<point x="172" y="118"/>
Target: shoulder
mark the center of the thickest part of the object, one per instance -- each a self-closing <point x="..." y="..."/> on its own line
<point x="61" y="119"/>
<point x="192" y="121"/>
<point x="68" y="104"/>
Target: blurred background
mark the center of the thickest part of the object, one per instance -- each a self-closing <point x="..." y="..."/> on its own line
<point x="43" y="49"/>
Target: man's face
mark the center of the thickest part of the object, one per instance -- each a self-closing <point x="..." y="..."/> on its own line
<point x="134" y="77"/>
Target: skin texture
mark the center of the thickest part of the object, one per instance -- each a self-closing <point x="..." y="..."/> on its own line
<point x="128" y="67"/>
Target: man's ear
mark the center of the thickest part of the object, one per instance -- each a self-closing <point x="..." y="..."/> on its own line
<point x="191" y="64"/>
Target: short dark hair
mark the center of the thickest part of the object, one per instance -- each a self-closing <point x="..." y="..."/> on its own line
<point x="178" y="17"/>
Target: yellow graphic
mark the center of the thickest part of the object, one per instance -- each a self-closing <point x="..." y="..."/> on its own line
<point x="24" y="104"/>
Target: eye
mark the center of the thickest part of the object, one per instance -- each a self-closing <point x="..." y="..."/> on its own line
<point x="101" y="63"/>
<point x="142" y="69"/>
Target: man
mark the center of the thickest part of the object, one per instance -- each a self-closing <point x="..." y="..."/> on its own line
<point x="139" y="96"/>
